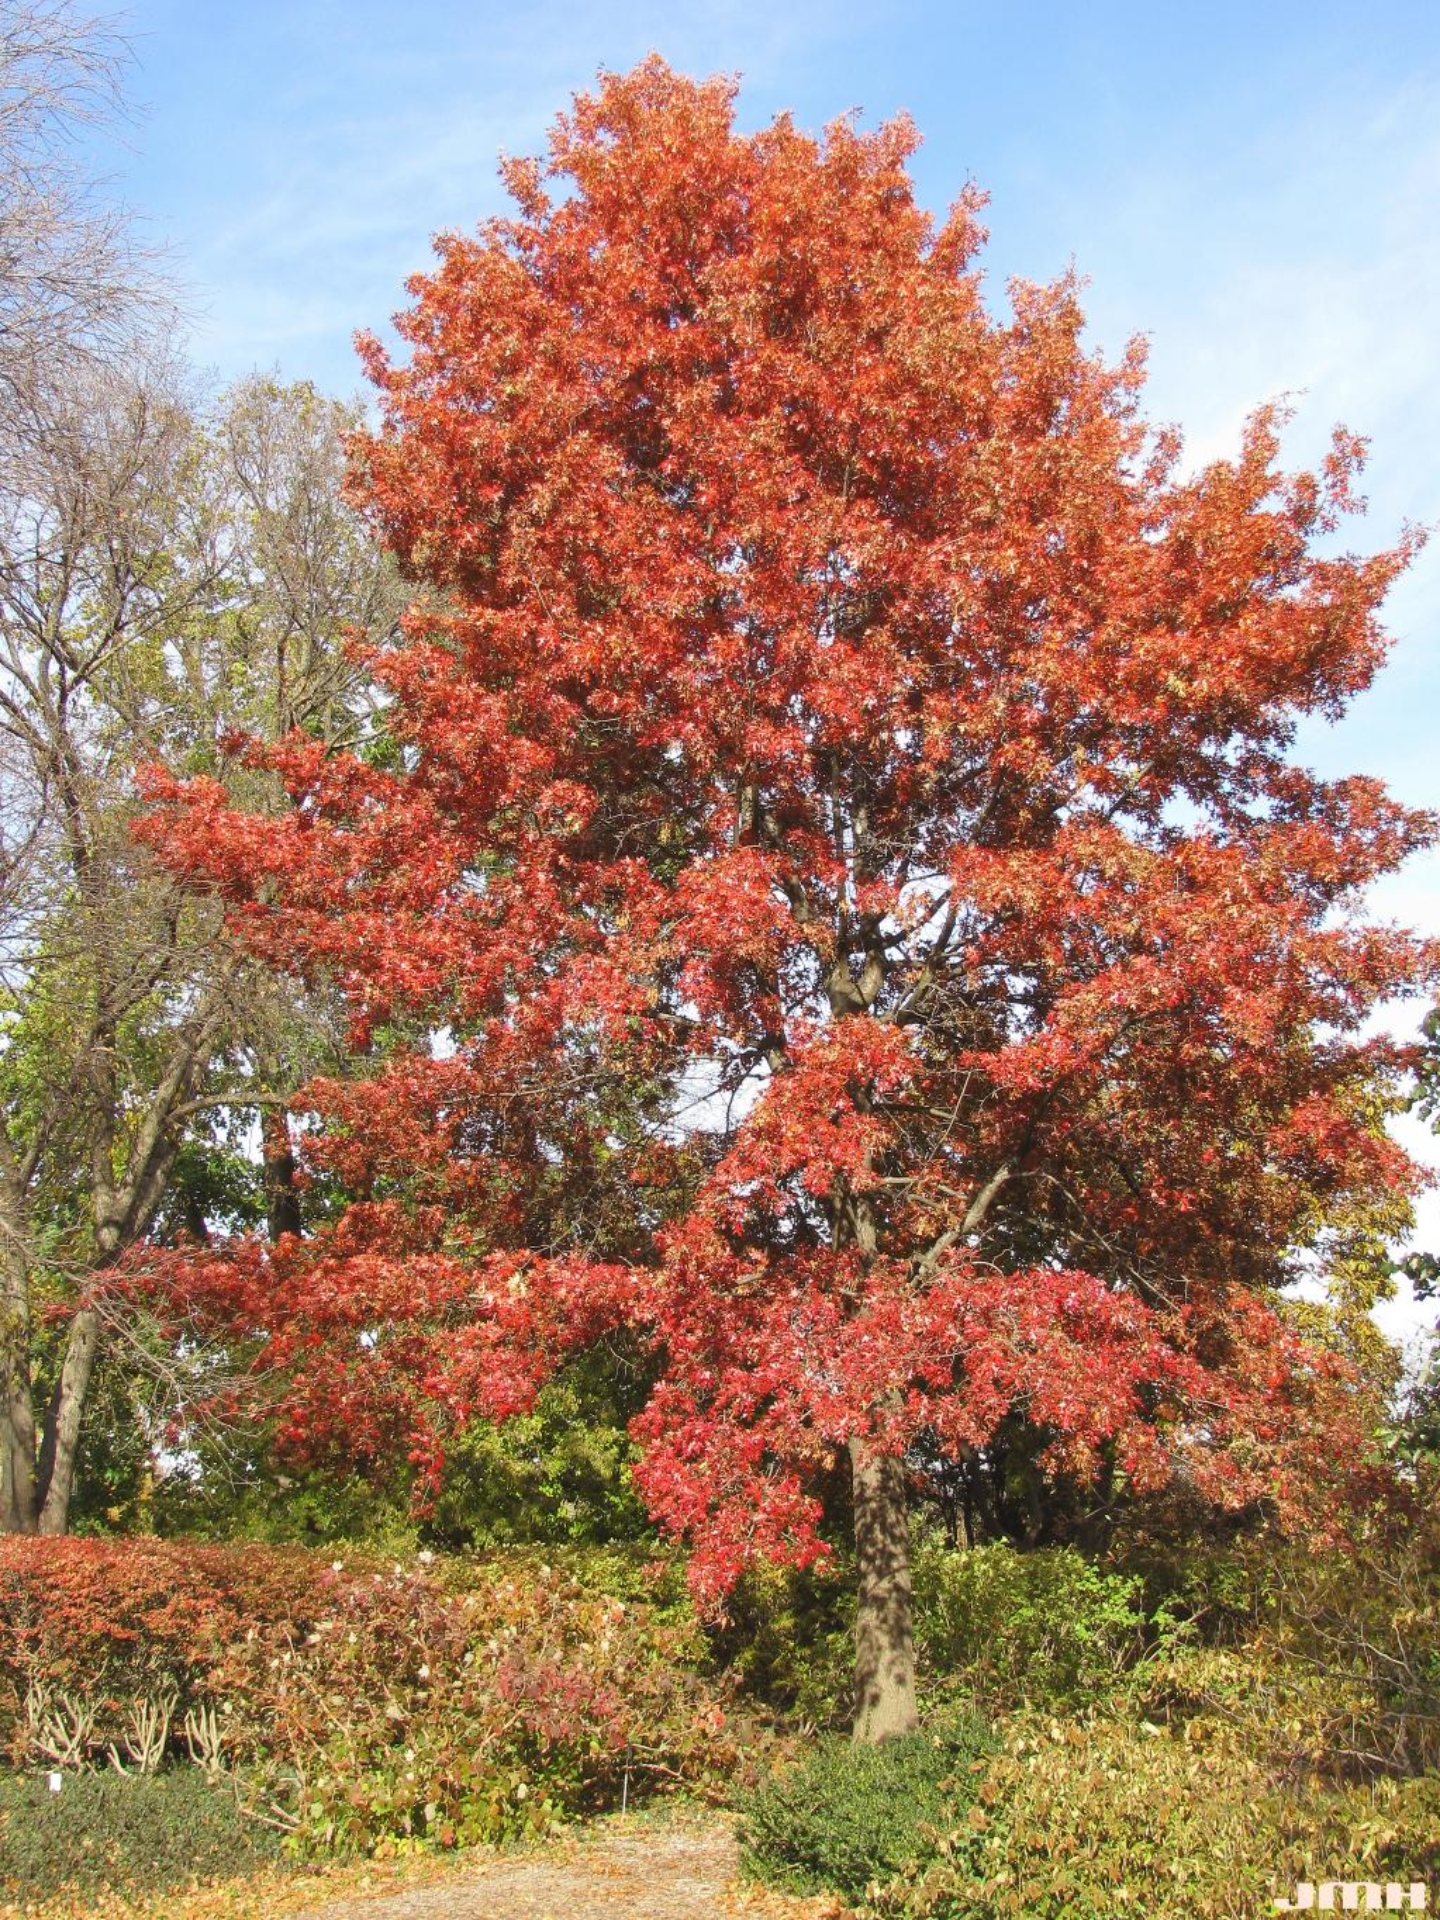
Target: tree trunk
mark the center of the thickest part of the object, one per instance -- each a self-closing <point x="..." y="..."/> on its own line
<point x="885" y="1703"/>
<point x="18" y="1510"/>
<point x="19" y="1501"/>
<point x="282" y="1196"/>
<point x="61" y="1445"/>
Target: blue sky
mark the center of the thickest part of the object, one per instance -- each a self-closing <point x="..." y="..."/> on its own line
<point x="1254" y="186"/>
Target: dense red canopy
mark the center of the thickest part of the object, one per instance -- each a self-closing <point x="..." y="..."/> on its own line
<point x="839" y="821"/>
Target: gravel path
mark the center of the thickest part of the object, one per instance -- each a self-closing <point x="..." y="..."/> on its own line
<point x="679" y="1871"/>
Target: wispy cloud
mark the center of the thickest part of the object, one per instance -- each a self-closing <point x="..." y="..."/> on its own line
<point x="374" y="137"/>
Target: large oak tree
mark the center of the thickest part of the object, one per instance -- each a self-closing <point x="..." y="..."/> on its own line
<point x="840" y="875"/>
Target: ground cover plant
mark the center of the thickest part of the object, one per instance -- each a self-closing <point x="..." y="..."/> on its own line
<point x="1097" y="1816"/>
<point x="104" y="1833"/>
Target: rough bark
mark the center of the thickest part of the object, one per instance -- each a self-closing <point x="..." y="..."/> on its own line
<point x="282" y="1196"/>
<point x="17" y="1455"/>
<point x="885" y="1703"/>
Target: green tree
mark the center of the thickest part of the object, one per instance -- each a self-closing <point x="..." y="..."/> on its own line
<point x="170" y="572"/>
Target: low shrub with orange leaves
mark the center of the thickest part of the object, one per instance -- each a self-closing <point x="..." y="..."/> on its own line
<point x="364" y="1703"/>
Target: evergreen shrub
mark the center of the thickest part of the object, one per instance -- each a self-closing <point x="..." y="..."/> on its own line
<point x="849" y="1818"/>
<point x="103" y="1831"/>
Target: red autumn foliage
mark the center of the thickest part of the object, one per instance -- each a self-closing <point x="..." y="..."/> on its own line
<point x="841" y="824"/>
<point x="125" y="1616"/>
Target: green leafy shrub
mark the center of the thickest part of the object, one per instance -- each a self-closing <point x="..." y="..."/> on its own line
<point x="1079" y="1819"/>
<point x="559" y="1474"/>
<point x="234" y="1504"/>
<point x="788" y="1639"/>
<point x="1327" y="1660"/>
<point x="103" y="1831"/>
<point x="1009" y="1628"/>
<point x="1211" y="1588"/>
<point x="993" y="1624"/>
<point x="847" y="1817"/>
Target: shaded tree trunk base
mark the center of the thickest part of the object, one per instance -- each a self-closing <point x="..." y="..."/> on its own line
<point x="885" y="1700"/>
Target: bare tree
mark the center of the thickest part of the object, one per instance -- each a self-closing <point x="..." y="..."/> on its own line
<point x="75" y="282"/>
<point x="79" y="295"/>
